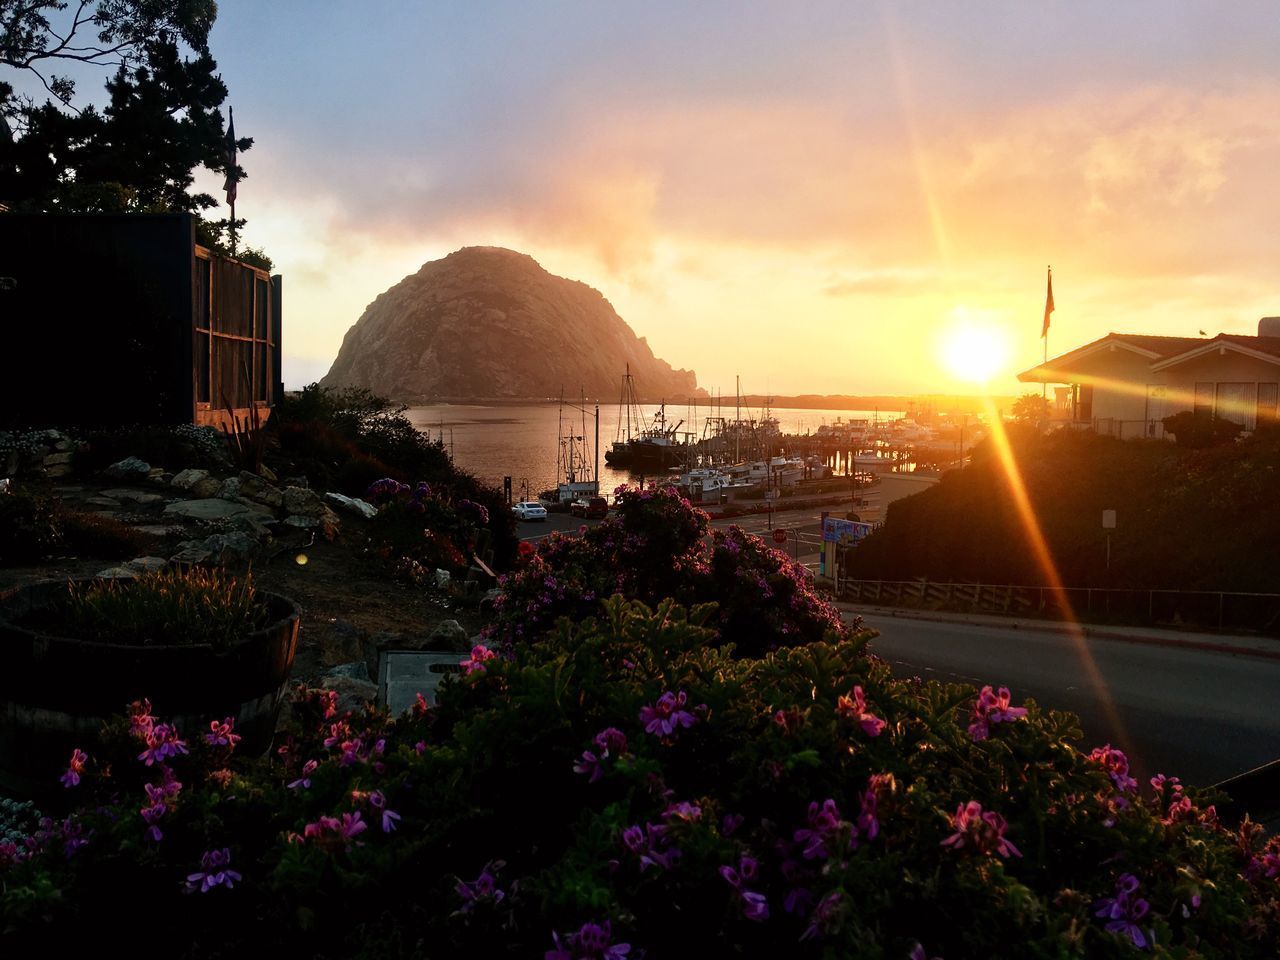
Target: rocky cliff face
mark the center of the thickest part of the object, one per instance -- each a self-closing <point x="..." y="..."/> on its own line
<point x="487" y="323"/>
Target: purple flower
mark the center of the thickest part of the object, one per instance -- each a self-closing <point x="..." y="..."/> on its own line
<point x="162" y="743"/>
<point x="730" y="823"/>
<point x="214" y="871"/>
<point x="855" y="708"/>
<point x="304" y="781"/>
<point x="667" y="714"/>
<point x="828" y="916"/>
<point x="378" y="800"/>
<point x="652" y="844"/>
<point x="1124" y="910"/>
<point x="591" y="942"/>
<point x="76" y="767"/>
<point x="755" y="906"/>
<point x="983" y="832"/>
<point x="824" y="827"/>
<point x="483" y="889"/>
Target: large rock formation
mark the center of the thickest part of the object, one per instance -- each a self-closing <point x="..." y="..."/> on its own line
<point x="484" y="323"/>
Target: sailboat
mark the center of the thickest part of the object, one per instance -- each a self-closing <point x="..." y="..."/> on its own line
<point x="574" y="461"/>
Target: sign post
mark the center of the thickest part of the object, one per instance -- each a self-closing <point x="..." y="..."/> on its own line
<point x="1108" y="524"/>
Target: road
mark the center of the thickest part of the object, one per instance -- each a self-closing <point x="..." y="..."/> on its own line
<point x="1200" y="715"/>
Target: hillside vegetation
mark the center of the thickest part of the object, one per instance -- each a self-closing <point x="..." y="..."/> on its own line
<point x="1186" y="519"/>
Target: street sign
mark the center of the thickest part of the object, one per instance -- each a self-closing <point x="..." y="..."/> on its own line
<point x="1108" y="519"/>
<point x="779" y="536"/>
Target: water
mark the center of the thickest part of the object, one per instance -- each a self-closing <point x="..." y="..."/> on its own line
<point x="521" y="440"/>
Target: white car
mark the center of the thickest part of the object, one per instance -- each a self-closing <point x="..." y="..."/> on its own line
<point x="530" y="510"/>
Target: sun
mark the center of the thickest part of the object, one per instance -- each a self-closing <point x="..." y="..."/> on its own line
<point x="973" y="350"/>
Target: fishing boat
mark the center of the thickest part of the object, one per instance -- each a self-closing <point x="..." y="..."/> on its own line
<point x="574" y="458"/>
<point x="640" y="446"/>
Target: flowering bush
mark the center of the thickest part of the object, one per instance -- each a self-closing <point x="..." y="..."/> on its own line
<point x="625" y="788"/>
<point x="423" y="525"/>
<point x="656" y="545"/>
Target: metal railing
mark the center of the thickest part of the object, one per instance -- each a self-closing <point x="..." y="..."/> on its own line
<point x="1186" y="609"/>
<point x="1111" y="427"/>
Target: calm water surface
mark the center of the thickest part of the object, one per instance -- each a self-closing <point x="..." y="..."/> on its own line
<point x="521" y="441"/>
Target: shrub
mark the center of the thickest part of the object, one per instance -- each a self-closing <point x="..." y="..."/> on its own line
<point x="95" y="535"/>
<point x="1197" y="430"/>
<point x="175" y="447"/>
<point x="655" y="545"/>
<point x="624" y="781"/>
<point x="168" y="607"/>
<point x="34" y="527"/>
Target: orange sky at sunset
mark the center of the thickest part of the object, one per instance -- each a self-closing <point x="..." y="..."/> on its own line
<point x="813" y="198"/>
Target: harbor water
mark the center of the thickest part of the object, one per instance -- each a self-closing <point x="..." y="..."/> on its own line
<point x="521" y="440"/>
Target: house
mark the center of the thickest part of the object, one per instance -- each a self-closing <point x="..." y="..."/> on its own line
<point x="1125" y="384"/>
<point x="111" y="319"/>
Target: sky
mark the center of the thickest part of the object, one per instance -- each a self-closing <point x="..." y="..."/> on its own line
<point x="845" y="197"/>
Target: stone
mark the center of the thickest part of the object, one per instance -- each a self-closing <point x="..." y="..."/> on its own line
<point x="353" y="694"/>
<point x="300" y="501"/>
<point x="116" y="573"/>
<point x="442" y="579"/>
<point x="134" y="567"/>
<point x="266" y="473"/>
<point x="252" y="524"/>
<point x="351" y="505"/>
<point x="130" y="468"/>
<point x="234" y="547"/>
<point x="157" y="530"/>
<point x="356" y="670"/>
<point x="302" y="482"/>
<point x="106" y="502"/>
<point x="211" y="509"/>
<point x="56" y="459"/>
<point x="58" y="470"/>
<point x="302" y="523"/>
<point x="188" y="478"/>
<point x="340" y="643"/>
<point x="64" y="446"/>
<point x="448" y="635"/>
<point x="155" y="473"/>
<point x="254" y="487"/>
<point x="230" y="489"/>
<point x="133" y="496"/>
<point x="206" y="488"/>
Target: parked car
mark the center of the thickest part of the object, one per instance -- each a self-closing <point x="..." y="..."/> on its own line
<point x="529" y="510"/>
<point x="590" y="507"/>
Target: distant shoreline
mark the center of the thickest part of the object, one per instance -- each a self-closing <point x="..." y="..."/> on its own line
<point x="941" y="403"/>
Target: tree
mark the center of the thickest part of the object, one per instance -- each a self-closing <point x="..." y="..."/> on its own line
<point x="162" y="120"/>
<point x="1030" y="408"/>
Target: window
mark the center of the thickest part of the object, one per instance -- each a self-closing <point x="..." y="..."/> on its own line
<point x="1268" y="394"/>
<point x="1204" y="400"/>
<point x="1233" y="403"/>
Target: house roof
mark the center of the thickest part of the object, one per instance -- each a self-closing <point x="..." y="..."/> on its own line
<point x="1153" y="348"/>
<point x="1160" y="352"/>
<point x="1261" y="348"/>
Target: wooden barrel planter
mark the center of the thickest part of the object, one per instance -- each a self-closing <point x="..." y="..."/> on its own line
<point x="55" y="691"/>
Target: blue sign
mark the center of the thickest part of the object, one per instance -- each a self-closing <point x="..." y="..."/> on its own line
<point x="835" y="530"/>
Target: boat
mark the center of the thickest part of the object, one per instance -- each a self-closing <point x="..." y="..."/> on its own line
<point x="640" y="447"/>
<point x="574" y="460"/>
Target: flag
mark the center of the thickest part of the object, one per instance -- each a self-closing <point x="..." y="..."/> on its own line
<point x="1048" y="306"/>
<point x="229" y="157"/>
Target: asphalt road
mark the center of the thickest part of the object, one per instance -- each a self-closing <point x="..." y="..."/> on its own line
<point x="1197" y="714"/>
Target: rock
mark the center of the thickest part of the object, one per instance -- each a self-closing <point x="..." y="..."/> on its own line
<point x="64" y="446"/>
<point x="134" y="567"/>
<point x="206" y="488"/>
<point x="253" y="487"/>
<point x="234" y="547"/>
<point x="302" y="482"/>
<point x="211" y="509"/>
<point x="133" y="496"/>
<point x="58" y="470"/>
<point x="230" y="489"/>
<point x="442" y="579"/>
<point x="353" y="695"/>
<point x="130" y="468"/>
<point x="356" y="670"/>
<point x="57" y="459"/>
<point x="266" y="473"/>
<point x="299" y="501"/>
<point x="302" y="523"/>
<point x="351" y="505"/>
<point x="188" y="478"/>
<point x="340" y="643"/>
<point x="158" y="530"/>
<point x="253" y="524"/>
<point x="106" y="502"/>
<point x="448" y="635"/>
<point x="446" y="331"/>
<point x="155" y="473"/>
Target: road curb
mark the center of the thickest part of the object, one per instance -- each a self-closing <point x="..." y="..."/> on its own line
<point x="1060" y="627"/>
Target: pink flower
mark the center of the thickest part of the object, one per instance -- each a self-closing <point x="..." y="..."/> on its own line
<point x="983" y="832"/>
<point x="991" y="708"/>
<point x="76" y="767"/>
<point x="304" y="781"/>
<point x="1116" y="764"/>
<point x="855" y="708"/>
<point x="163" y="743"/>
<point x="480" y="654"/>
<point x="220" y="734"/>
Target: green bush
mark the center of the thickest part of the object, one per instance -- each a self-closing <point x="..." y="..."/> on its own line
<point x="173" y="447"/>
<point x="625" y="781"/>
<point x="1198" y="430"/>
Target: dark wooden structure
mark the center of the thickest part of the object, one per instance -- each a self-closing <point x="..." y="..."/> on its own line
<point x="111" y="319"/>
